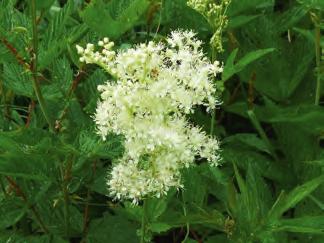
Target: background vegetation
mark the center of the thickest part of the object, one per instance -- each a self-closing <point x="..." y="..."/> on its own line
<point x="53" y="166"/>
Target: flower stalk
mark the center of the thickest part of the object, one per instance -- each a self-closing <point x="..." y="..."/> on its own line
<point x="34" y="66"/>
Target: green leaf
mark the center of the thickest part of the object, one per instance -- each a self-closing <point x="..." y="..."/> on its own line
<point x="285" y="202"/>
<point x="159" y="227"/>
<point x="239" y="6"/>
<point x="12" y="210"/>
<point x="26" y="159"/>
<point x="213" y="218"/>
<point x="240" y="20"/>
<point x="89" y="89"/>
<point x="290" y="18"/>
<point x="55" y="37"/>
<point x="155" y="208"/>
<point x="91" y="145"/>
<point x="308" y="34"/>
<point x="308" y="118"/>
<point x="278" y="75"/>
<point x="17" y="79"/>
<point x="99" y="184"/>
<point x="111" y="229"/>
<point x="177" y="14"/>
<point x="318" y="4"/>
<point x="230" y="68"/>
<point x="62" y="75"/>
<point x="195" y="187"/>
<point x="44" y="4"/>
<point x="306" y="224"/>
<point x="119" y="16"/>
<point x="249" y="139"/>
<point x="243" y="157"/>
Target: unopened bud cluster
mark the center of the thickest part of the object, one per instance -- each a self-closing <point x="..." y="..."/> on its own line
<point x="156" y="86"/>
<point x="215" y="14"/>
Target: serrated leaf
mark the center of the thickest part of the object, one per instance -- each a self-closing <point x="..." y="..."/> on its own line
<point x="12" y="210"/>
<point x="26" y="160"/>
<point x="17" y="79"/>
<point x="55" y="39"/>
<point x="62" y="75"/>
<point x="92" y="146"/>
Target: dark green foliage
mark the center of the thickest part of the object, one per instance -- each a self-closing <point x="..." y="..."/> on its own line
<point x="270" y="187"/>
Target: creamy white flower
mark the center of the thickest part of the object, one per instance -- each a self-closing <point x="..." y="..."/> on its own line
<point x="156" y="85"/>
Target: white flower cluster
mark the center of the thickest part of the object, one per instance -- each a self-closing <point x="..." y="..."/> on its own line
<point x="215" y="13"/>
<point x="156" y="85"/>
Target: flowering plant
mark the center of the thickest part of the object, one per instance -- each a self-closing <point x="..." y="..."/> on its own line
<point x="156" y="85"/>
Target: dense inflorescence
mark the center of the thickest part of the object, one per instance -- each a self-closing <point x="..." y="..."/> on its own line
<point x="155" y="87"/>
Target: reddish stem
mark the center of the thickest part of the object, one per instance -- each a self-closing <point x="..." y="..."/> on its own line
<point x="14" y="51"/>
<point x="73" y="87"/>
<point x="30" y="111"/>
<point x="86" y="209"/>
<point x="196" y="236"/>
<point x="21" y="194"/>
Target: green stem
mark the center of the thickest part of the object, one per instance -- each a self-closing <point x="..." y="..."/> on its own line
<point x="212" y="123"/>
<point x="317" y="22"/>
<point x="34" y="70"/>
<point x="144" y="219"/>
<point x="187" y="223"/>
<point x="213" y="114"/>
